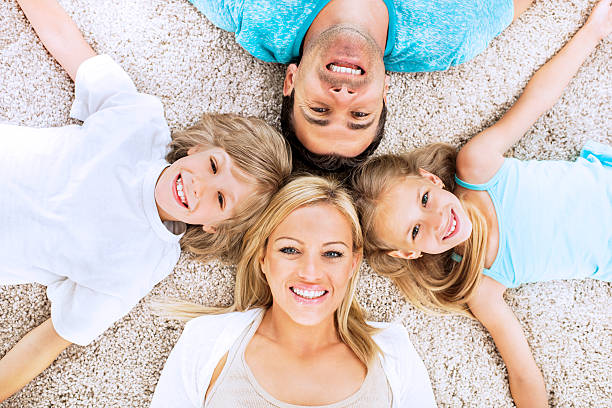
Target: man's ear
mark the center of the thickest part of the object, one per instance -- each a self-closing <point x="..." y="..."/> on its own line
<point x="405" y="254"/>
<point x="386" y="90"/>
<point x="289" y="79"/>
<point x="431" y="177"/>
<point x="211" y="229"/>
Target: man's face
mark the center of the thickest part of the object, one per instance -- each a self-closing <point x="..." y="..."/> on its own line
<point x="339" y="87"/>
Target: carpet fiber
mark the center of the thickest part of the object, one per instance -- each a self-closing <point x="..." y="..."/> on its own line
<point x="173" y="52"/>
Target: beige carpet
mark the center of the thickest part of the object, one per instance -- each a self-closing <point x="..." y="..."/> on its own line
<point x="172" y="51"/>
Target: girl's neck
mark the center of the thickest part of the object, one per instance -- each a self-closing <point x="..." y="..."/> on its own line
<point x="483" y="203"/>
<point x="278" y="327"/>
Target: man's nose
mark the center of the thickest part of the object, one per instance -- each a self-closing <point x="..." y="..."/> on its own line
<point x="342" y="91"/>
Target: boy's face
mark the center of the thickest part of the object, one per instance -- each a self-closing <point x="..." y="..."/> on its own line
<point x="202" y="188"/>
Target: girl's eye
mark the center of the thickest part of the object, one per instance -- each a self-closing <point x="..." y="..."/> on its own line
<point x="425" y="199"/>
<point x="360" y="114"/>
<point x="333" y="254"/>
<point x="318" y="109"/>
<point x="415" y="231"/>
<point x="289" y="251"/>
<point x="213" y="166"/>
<point x="221" y="200"/>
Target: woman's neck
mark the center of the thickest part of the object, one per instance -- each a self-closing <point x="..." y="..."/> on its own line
<point x="278" y="327"/>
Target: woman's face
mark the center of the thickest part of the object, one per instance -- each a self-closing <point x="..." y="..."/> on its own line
<point x="416" y="215"/>
<point x="308" y="263"/>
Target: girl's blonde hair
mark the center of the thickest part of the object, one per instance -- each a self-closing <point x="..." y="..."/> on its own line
<point x="259" y="151"/>
<point x="432" y="282"/>
<point x="252" y="289"/>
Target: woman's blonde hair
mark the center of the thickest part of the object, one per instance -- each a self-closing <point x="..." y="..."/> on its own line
<point x="259" y="151"/>
<point x="432" y="282"/>
<point x="252" y="289"/>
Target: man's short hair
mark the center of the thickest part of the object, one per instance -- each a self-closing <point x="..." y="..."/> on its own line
<point x="328" y="162"/>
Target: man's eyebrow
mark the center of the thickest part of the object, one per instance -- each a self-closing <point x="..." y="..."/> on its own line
<point x="314" y="121"/>
<point x="358" y="126"/>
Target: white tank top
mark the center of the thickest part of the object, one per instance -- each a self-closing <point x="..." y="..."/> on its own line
<point x="236" y="386"/>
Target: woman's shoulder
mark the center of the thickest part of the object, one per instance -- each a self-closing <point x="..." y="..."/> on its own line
<point x="214" y="324"/>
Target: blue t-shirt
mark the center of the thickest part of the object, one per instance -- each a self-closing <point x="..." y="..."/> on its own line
<point x="423" y="35"/>
<point x="554" y="218"/>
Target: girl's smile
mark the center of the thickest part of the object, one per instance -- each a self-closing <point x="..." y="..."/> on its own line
<point x="417" y="215"/>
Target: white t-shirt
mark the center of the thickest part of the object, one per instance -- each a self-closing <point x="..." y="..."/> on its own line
<point x="188" y="371"/>
<point x="77" y="209"/>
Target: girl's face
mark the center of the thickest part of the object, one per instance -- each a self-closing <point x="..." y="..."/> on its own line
<point x="417" y="215"/>
<point x="308" y="263"/>
<point x="202" y="188"/>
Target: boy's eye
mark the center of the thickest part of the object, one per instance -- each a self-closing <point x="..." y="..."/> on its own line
<point x="213" y="166"/>
<point x="318" y="109"/>
<point x="221" y="200"/>
<point x="289" y="250"/>
<point x="360" y="114"/>
<point x="425" y="199"/>
<point x="333" y="254"/>
<point x="415" y="231"/>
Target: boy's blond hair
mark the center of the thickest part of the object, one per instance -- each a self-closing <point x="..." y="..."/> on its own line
<point x="259" y="151"/>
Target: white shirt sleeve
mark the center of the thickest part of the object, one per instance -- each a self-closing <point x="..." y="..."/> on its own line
<point x="102" y="85"/>
<point x="80" y="314"/>
<point x="404" y="368"/>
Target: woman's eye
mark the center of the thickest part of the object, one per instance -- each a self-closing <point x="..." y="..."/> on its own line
<point x="360" y="114"/>
<point x="220" y="199"/>
<point x="415" y="231"/>
<point x="425" y="199"/>
<point x="318" y="109"/>
<point x="289" y="251"/>
<point x="213" y="166"/>
<point x="333" y="254"/>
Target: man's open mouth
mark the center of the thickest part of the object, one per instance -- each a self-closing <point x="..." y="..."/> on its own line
<point x="345" y="68"/>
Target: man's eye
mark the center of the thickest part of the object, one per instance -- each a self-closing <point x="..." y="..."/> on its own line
<point x="220" y="199"/>
<point x="213" y="166"/>
<point x="318" y="109"/>
<point x="360" y="114"/>
<point x="415" y="231"/>
<point x="289" y="250"/>
<point x="425" y="199"/>
<point x="333" y="254"/>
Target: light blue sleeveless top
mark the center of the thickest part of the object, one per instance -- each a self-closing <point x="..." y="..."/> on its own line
<point x="554" y="218"/>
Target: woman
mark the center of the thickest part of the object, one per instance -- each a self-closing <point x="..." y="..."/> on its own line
<point x="295" y="335"/>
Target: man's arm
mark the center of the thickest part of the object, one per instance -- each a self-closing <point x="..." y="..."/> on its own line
<point x="58" y="33"/>
<point x="482" y="156"/>
<point x="526" y="382"/>
<point x="29" y="357"/>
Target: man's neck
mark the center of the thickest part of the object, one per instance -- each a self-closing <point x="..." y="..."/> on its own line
<point x="369" y="15"/>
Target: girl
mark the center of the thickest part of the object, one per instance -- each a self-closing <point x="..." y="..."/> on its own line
<point x="96" y="214"/>
<point x="295" y="335"/>
<point x="456" y="242"/>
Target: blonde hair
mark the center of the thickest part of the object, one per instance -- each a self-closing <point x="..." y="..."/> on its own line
<point x="434" y="283"/>
<point x="252" y="289"/>
<point x="259" y="151"/>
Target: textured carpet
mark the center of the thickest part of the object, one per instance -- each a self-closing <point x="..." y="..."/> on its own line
<point x="173" y="52"/>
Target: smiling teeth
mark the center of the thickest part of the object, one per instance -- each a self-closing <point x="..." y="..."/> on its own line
<point x="308" y="294"/>
<point x="452" y="228"/>
<point x="344" y="70"/>
<point x="179" y="190"/>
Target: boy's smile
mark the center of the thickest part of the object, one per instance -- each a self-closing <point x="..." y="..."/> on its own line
<point x="202" y="188"/>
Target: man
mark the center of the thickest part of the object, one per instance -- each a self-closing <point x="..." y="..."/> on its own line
<point x="335" y="87"/>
